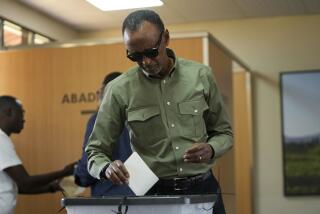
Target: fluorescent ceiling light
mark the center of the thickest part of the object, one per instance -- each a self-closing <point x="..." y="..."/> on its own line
<point x="107" y="5"/>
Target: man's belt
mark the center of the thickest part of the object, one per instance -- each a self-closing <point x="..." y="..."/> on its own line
<point x="183" y="183"/>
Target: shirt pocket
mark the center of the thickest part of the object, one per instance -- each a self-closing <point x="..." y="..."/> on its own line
<point x="146" y="125"/>
<point x="192" y="117"/>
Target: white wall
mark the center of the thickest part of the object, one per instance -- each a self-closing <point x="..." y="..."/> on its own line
<point x="268" y="46"/>
<point x="38" y="22"/>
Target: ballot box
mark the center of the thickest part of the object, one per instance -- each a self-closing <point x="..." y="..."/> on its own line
<point x="184" y="204"/>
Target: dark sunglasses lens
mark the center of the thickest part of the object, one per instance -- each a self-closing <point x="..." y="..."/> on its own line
<point x="135" y="56"/>
<point x="151" y="53"/>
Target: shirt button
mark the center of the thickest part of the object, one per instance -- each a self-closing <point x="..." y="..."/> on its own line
<point x="164" y="81"/>
<point x="196" y="111"/>
<point x="181" y="169"/>
<point x="177" y="147"/>
<point x="172" y="125"/>
<point x="168" y="103"/>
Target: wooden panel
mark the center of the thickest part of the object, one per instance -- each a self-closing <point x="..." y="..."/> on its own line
<point x="222" y="69"/>
<point x="188" y="48"/>
<point x="224" y="168"/>
<point x="243" y="141"/>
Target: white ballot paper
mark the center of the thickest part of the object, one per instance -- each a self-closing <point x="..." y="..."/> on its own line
<point x="141" y="177"/>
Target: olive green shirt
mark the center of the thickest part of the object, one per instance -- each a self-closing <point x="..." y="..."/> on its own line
<point x="164" y="117"/>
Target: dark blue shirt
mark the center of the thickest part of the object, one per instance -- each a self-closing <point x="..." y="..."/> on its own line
<point x="103" y="187"/>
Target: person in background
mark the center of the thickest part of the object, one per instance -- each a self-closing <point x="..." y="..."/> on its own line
<point x="121" y="152"/>
<point x="174" y="111"/>
<point x="14" y="178"/>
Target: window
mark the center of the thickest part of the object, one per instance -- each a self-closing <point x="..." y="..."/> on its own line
<point x="12" y="34"/>
<point x="39" y="39"/>
<point x="16" y="35"/>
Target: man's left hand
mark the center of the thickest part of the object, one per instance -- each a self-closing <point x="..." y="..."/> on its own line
<point x="199" y="153"/>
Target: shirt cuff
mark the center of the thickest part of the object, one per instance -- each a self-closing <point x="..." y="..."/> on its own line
<point x="103" y="172"/>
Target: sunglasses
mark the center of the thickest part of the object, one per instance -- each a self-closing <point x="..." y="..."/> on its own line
<point x="150" y="52"/>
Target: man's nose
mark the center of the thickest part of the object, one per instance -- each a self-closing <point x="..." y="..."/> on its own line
<point x="146" y="60"/>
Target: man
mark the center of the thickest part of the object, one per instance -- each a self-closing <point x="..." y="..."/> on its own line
<point x="174" y="111"/>
<point x="121" y="152"/>
<point x="13" y="176"/>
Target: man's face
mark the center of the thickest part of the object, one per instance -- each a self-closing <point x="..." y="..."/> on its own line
<point x="147" y="47"/>
<point x="17" y="119"/>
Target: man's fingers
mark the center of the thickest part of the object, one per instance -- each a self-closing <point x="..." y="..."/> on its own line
<point x="194" y="157"/>
<point x="108" y="173"/>
<point x="117" y="173"/>
<point x="114" y="178"/>
<point x="194" y="148"/>
<point x="122" y="168"/>
<point x="199" y="153"/>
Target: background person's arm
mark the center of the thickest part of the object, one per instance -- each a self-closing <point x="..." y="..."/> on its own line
<point x="33" y="184"/>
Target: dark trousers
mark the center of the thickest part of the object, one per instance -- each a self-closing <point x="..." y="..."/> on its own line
<point x="209" y="186"/>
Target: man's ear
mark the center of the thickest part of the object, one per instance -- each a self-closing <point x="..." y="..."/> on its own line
<point x="167" y="37"/>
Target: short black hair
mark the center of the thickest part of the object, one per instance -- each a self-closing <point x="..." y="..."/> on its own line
<point x="8" y="101"/>
<point x="134" y="20"/>
<point x="111" y="76"/>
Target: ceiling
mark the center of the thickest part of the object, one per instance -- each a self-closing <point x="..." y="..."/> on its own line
<point x="82" y="16"/>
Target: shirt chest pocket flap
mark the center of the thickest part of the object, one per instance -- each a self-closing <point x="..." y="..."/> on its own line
<point x="144" y="121"/>
<point x="194" y="107"/>
<point x="142" y="114"/>
<point x="191" y="114"/>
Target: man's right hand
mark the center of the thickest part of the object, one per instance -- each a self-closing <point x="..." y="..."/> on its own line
<point x="117" y="173"/>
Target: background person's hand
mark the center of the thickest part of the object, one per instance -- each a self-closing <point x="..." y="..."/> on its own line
<point x="117" y="173"/>
<point x="199" y="153"/>
<point x="55" y="186"/>
<point x="69" y="169"/>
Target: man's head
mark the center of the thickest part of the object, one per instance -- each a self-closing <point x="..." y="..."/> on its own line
<point x="146" y="40"/>
<point x="11" y="115"/>
<point x="108" y="78"/>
